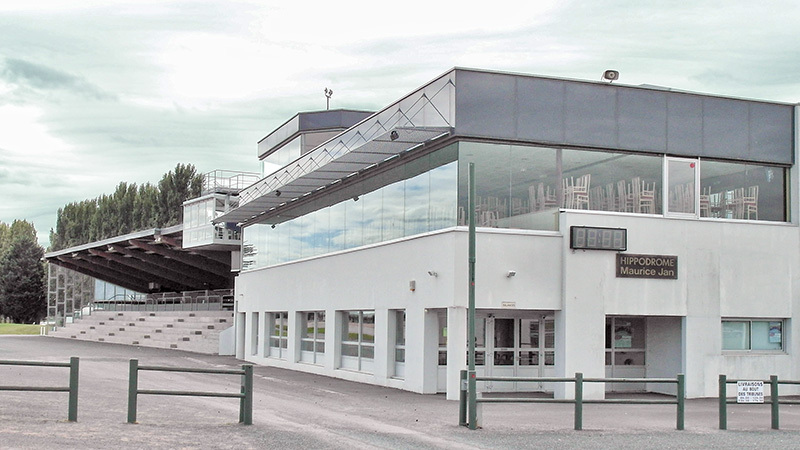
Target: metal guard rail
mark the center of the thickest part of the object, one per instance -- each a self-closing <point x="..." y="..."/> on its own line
<point x="72" y="411"/>
<point x="578" y="401"/>
<point x="774" y="400"/>
<point x="245" y="396"/>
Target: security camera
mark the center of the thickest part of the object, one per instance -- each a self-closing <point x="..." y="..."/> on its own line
<point x="611" y="75"/>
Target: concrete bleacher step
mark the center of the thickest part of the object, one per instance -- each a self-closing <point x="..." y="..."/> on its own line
<point x="191" y="331"/>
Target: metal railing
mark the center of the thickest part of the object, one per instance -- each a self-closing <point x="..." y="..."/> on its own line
<point x="774" y="401"/>
<point x="228" y="180"/>
<point x="245" y="396"/>
<point x="72" y="412"/>
<point x="578" y="401"/>
<point x="207" y="300"/>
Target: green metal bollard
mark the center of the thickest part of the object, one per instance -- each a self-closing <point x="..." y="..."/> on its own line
<point x="462" y="399"/>
<point x="473" y="399"/>
<point x="72" y="415"/>
<point x="681" y="393"/>
<point x="248" y="394"/>
<point x="773" y="388"/>
<point x="723" y="406"/>
<point x="241" y="403"/>
<point x="133" y="389"/>
<point x="578" y="401"/>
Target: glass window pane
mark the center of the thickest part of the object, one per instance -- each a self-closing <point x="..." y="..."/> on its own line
<point x="354" y="223"/>
<point x="766" y="335"/>
<point x="742" y="191"/>
<point x="307" y="346"/>
<point x="528" y="358"/>
<point x="735" y="335"/>
<point x="368" y="327"/>
<point x="442" y="328"/>
<point x="307" y="325"/>
<point x="681" y="176"/>
<point x="504" y="333"/>
<point x="493" y="181"/>
<point x="350" y="350"/>
<point x="400" y="355"/>
<point x="400" y="327"/>
<point x="504" y="358"/>
<point x="393" y="211"/>
<point x="605" y="181"/>
<point x="417" y="204"/>
<point x="320" y="325"/>
<point x="549" y="333"/>
<point x="529" y="333"/>
<point x="367" y="352"/>
<point x="629" y="358"/>
<point x="372" y="216"/>
<point x="443" y="196"/>
<point x="350" y="326"/>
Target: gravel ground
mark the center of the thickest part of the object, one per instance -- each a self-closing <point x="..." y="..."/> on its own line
<point x="297" y="410"/>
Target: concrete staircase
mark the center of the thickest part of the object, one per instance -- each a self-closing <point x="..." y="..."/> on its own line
<point x="195" y="331"/>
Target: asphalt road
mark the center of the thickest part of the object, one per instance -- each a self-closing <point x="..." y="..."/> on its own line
<point x="296" y="410"/>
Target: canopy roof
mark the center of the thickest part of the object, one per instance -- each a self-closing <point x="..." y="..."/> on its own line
<point x="149" y="261"/>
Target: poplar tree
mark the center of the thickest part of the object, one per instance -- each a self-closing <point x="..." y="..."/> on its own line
<point x="22" y="291"/>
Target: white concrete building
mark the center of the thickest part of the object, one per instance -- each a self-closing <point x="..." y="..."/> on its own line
<point x="622" y="231"/>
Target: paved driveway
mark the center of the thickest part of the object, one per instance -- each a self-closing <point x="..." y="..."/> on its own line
<point x="296" y="410"/>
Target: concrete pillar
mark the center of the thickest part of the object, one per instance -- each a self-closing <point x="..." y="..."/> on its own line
<point x="456" y="349"/>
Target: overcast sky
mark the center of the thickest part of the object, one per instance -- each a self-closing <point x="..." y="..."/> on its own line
<point x="114" y="91"/>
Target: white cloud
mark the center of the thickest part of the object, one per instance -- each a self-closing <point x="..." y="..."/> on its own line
<point x="101" y="91"/>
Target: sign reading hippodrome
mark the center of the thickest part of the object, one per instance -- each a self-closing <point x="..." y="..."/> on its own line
<point x="664" y="267"/>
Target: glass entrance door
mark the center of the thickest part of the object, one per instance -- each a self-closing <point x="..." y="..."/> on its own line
<point x="519" y="347"/>
<point x="625" y="351"/>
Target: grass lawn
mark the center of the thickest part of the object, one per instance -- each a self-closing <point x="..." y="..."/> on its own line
<point x="15" y="328"/>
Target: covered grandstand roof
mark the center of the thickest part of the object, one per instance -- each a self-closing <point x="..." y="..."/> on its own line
<point x="149" y="261"/>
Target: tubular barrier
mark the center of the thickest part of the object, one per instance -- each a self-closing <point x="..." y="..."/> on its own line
<point x="774" y="401"/>
<point x="72" y="412"/>
<point x="245" y="396"/>
<point x="578" y="401"/>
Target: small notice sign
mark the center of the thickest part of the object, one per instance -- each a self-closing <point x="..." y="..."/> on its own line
<point x="750" y="392"/>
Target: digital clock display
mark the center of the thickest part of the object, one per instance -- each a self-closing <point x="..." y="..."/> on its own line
<point x="595" y="238"/>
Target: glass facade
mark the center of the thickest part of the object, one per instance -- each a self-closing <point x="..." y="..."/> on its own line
<point x="519" y="187"/>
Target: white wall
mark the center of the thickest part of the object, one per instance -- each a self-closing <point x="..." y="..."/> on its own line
<point x="725" y="269"/>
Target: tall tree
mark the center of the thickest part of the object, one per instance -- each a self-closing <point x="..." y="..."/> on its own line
<point x="176" y="187"/>
<point x="128" y="209"/>
<point x="22" y="291"/>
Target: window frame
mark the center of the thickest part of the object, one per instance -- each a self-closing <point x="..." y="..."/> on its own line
<point x="316" y="356"/>
<point x="278" y="320"/>
<point x="359" y="362"/>
<point x="750" y="350"/>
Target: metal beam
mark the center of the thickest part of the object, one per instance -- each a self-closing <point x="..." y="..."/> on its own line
<point x="146" y="278"/>
<point x="155" y="272"/>
<point x="192" y="260"/>
<point x="101" y="273"/>
<point x="174" y="266"/>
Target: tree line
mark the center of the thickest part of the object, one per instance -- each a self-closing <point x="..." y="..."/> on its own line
<point x="22" y="279"/>
<point x="130" y="208"/>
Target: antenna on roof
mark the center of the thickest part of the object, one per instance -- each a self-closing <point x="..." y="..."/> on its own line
<point x="328" y="94"/>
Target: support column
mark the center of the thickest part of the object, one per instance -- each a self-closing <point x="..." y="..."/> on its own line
<point x="456" y="349"/>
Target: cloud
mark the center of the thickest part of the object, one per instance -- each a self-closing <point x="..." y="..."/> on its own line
<point x="44" y="78"/>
